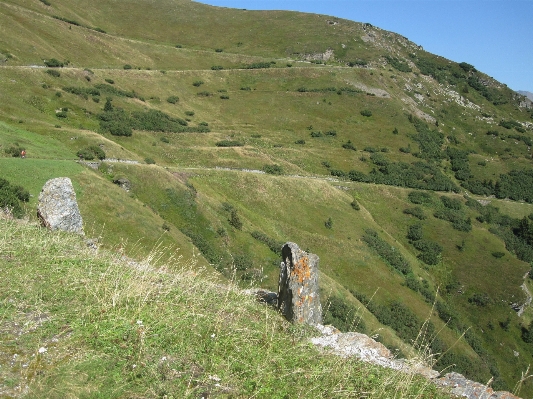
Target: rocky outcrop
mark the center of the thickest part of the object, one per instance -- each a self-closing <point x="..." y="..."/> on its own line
<point x="460" y="386"/>
<point x="368" y="350"/>
<point x="298" y="297"/>
<point x="57" y="208"/>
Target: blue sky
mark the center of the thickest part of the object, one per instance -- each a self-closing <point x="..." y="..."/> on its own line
<point x="493" y="35"/>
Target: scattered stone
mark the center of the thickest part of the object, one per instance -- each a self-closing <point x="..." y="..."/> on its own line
<point x="57" y="208"/>
<point x="462" y="387"/>
<point x="123" y="183"/>
<point x="298" y="297"/>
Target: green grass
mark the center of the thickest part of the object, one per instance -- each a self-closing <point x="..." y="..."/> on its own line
<point x="84" y="324"/>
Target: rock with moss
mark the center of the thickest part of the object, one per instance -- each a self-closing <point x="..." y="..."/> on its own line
<point x="58" y="208"/>
<point x="298" y="295"/>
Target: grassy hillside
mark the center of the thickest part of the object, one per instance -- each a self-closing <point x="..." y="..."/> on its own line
<point x="80" y="323"/>
<point x="408" y="174"/>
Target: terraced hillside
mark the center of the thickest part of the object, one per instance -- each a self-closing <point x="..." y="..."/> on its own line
<point x="410" y="175"/>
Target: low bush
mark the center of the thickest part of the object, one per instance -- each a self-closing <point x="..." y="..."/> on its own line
<point x="299" y="141"/>
<point x="11" y="197"/>
<point x="197" y="83"/>
<point x="53" y="72"/>
<point x="14" y="150"/>
<point x="366" y="113"/>
<point x="217" y="67"/>
<point x="273" y="169"/>
<point x="229" y="143"/>
<point x="53" y="63"/>
<point x="416" y="211"/>
<point x="173" y="99"/>
<point x="149" y="161"/>
<point x="349" y="146"/>
<point x="91" y="152"/>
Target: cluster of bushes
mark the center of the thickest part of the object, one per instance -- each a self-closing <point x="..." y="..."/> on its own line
<point x="340" y="90"/>
<point x="399" y="65"/>
<point x="318" y="133"/>
<point x="416" y="211"/>
<point x="273" y="244"/>
<point x="390" y="254"/>
<point x="258" y="65"/>
<point x="430" y="252"/>
<point x="419" y="175"/>
<point x="349" y="146"/>
<point x="490" y="93"/>
<point x="113" y="91"/>
<point x="173" y="99"/>
<point x="516" y="185"/>
<point x="91" y="152"/>
<point x="359" y="62"/>
<point x="429" y="141"/>
<point x="229" y="143"/>
<point x="11" y="197"/>
<point x="456" y="218"/>
<point x="82" y="91"/>
<point x="120" y="123"/>
<point x="14" y="150"/>
<point x="459" y="161"/>
<point x="74" y="22"/>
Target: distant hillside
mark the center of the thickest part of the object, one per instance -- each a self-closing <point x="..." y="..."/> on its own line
<point x="225" y="133"/>
<point x="528" y="94"/>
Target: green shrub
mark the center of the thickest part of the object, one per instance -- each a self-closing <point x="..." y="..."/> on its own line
<point x="53" y="63"/>
<point x="229" y="143"/>
<point x="110" y="81"/>
<point x="274" y="245"/>
<point x="273" y="169"/>
<point x="197" y="83"/>
<point x="355" y="205"/>
<point x="419" y="197"/>
<point x="217" y="67"/>
<point x="224" y="97"/>
<point x="204" y="94"/>
<point x="328" y="223"/>
<point x="61" y="114"/>
<point x="219" y="50"/>
<point x="127" y="66"/>
<point x="164" y="139"/>
<point x="366" y="113"/>
<point x="11" y="197"/>
<point x="498" y="255"/>
<point x="189" y="113"/>
<point x="299" y="141"/>
<point x="390" y="254"/>
<point x="316" y="134"/>
<point x="331" y="133"/>
<point x="417" y="212"/>
<point x="91" y="152"/>
<point x="53" y="72"/>
<point x="349" y="146"/>
<point x="149" y="161"/>
<point x="234" y="220"/>
<point x="414" y="232"/>
<point x="173" y="99"/>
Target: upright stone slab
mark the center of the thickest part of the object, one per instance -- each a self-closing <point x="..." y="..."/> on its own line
<point x="58" y="209"/>
<point x="298" y="297"/>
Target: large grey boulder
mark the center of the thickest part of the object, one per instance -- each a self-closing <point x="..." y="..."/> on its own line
<point x="298" y="297"/>
<point x="57" y="208"/>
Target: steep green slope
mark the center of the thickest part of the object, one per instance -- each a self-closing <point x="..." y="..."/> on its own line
<point x="361" y="129"/>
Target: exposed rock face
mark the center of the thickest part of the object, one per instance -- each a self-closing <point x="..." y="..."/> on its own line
<point x="368" y="350"/>
<point x="462" y="387"/>
<point x="58" y="209"/>
<point x="298" y="297"/>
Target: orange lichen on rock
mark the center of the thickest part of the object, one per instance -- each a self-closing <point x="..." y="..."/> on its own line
<point x="301" y="270"/>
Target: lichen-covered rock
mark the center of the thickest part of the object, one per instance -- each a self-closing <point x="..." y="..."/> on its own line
<point x="465" y="388"/>
<point x="298" y="297"/>
<point x="57" y="208"/>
